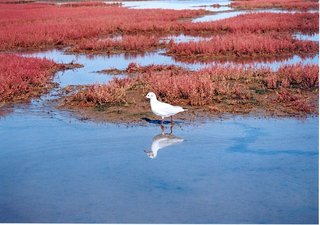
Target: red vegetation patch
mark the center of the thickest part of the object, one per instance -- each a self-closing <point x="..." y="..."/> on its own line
<point x="26" y="26"/>
<point x="294" y="100"/>
<point x="134" y="68"/>
<point x="230" y="89"/>
<point x="112" y="93"/>
<point x="283" y="4"/>
<point x="243" y="45"/>
<point x="258" y="23"/>
<point x="295" y="76"/>
<point x="23" y="78"/>
<point x="89" y="4"/>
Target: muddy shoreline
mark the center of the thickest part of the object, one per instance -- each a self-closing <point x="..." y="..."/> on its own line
<point x="138" y="111"/>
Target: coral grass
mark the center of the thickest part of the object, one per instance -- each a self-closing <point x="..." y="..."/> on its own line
<point x="22" y="78"/>
<point x="232" y="86"/>
<point x="89" y="24"/>
<point x="89" y="4"/>
<point x="282" y="4"/>
<point x="26" y="26"/>
<point x="257" y="23"/>
<point x="243" y="45"/>
<point x="112" y="93"/>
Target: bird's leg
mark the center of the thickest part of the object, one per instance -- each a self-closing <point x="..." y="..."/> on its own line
<point x="171" y="121"/>
<point x="162" y="129"/>
<point x="171" y="128"/>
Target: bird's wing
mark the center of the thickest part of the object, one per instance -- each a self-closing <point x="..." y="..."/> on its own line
<point x="169" y="109"/>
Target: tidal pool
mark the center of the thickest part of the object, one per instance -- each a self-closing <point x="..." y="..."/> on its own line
<point x="239" y="170"/>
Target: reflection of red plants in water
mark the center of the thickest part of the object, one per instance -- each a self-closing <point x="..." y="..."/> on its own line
<point x="22" y="78"/>
<point x="128" y="43"/>
<point x="283" y="4"/>
<point x="242" y="45"/>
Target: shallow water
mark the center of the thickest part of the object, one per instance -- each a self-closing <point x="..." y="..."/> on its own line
<point x="179" y="5"/>
<point x="219" y="16"/>
<point x="88" y="74"/>
<point x="306" y="37"/>
<point x="55" y="169"/>
<point x="184" y="38"/>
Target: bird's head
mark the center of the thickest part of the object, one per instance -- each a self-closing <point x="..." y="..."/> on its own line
<point x="150" y="154"/>
<point x="151" y="95"/>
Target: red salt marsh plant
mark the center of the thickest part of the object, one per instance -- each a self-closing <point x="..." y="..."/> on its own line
<point x="89" y="4"/>
<point x="295" y="100"/>
<point x="294" y="76"/>
<point x="22" y="78"/>
<point x="26" y="26"/>
<point x="232" y="88"/>
<point x="136" y="68"/>
<point x="282" y="4"/>
<point x="104" y="94"/>
<point x="258" y="23"/>
<point x="242" y="45"/>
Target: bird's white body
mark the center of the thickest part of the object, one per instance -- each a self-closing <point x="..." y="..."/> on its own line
<point x="162" y="109"/>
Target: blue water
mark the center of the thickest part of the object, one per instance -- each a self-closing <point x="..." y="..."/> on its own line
<point x="238" y="170"/>
<point x="88" y="74"/>
<point x="306" y="37"/>
<point x="179" y="5"/>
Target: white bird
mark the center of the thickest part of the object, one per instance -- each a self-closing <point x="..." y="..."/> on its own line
<point x="161" y="141"/>
<point x="163" y="109"/>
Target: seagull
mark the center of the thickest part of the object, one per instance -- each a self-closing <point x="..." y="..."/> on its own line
<point x="163" y="109"/>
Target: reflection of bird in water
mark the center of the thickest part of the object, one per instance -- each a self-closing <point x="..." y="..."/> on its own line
<point x="161" y="141"/>
<point x="163" y="109"/>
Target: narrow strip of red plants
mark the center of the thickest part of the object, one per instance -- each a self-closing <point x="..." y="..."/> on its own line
<point x="282" y="4"/>
<point x="243" y="45"/>
<point x="231" y="89"/>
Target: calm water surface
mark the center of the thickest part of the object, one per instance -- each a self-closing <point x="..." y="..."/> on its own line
<point x="179" y="5"/>
<point x="239" y="170"/>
